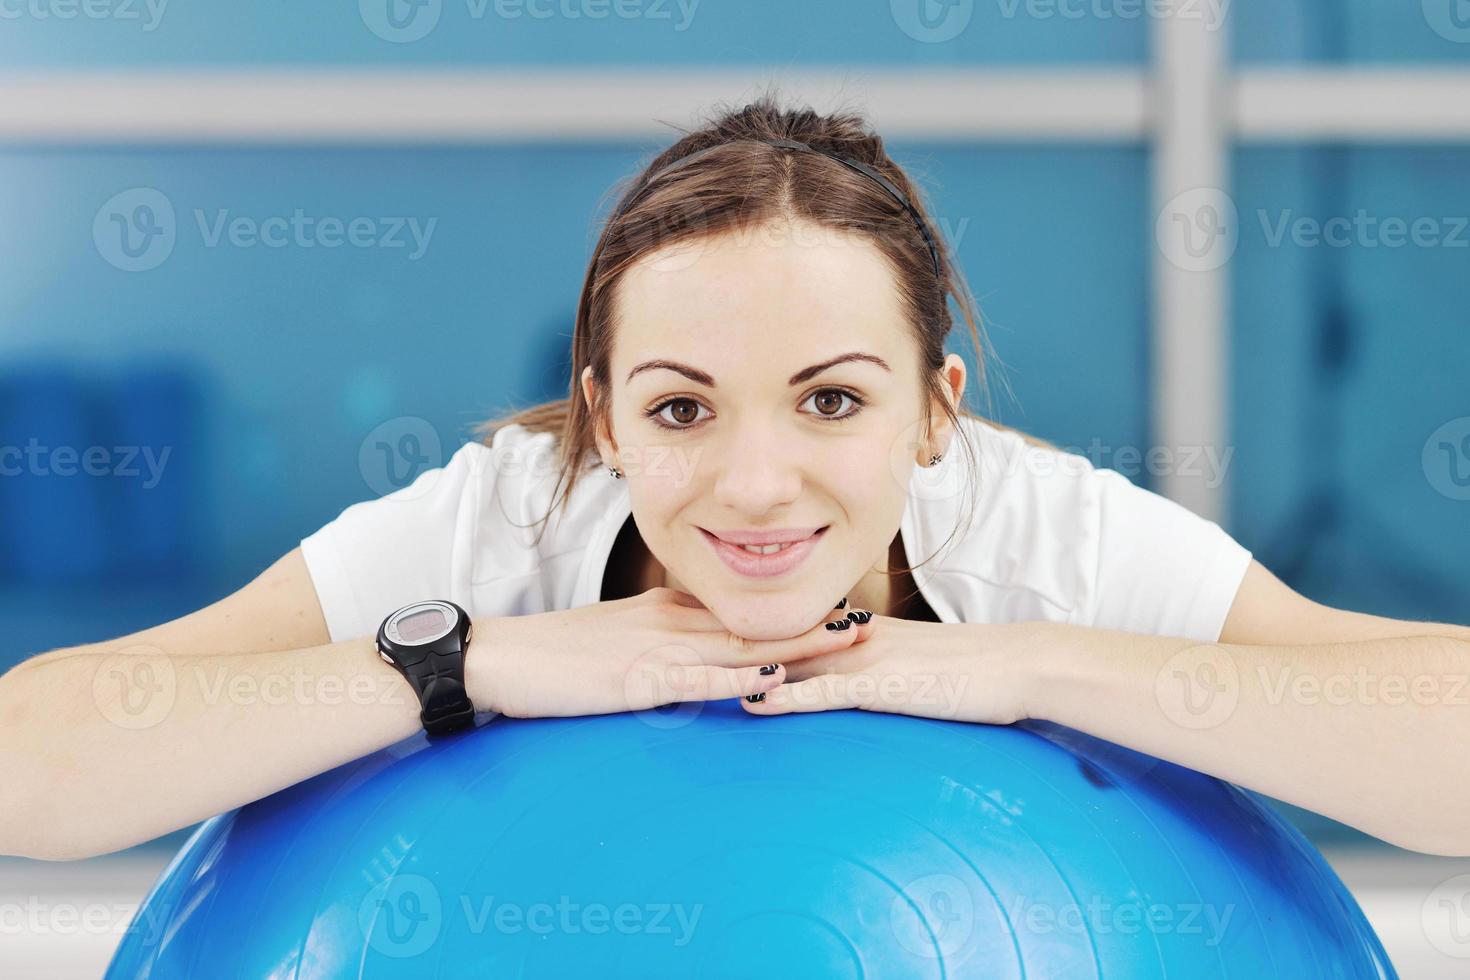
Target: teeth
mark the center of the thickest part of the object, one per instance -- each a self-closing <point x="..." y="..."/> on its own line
<point x="765" y="549"/>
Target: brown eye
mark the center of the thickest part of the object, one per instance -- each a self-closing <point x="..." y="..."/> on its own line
<point x="676" y="413"/>
<point x="829" y="402"/>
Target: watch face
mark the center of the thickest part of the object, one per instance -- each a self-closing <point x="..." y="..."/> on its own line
<point x="422" y="622"/>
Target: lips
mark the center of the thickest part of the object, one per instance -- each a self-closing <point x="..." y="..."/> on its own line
<point x="799" y="544"/>
<point x="779" y="535"/>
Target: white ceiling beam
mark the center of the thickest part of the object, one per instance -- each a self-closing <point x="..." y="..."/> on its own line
<point x="1360" y="105"/>
<point x="395" y="106"/>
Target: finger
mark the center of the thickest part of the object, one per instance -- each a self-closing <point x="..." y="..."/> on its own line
<point x="849" y="628"/>
<point x="857" y="656"/>
<point x="836" y="632"/>
<point x="827" y="692"/>
<point x="651" y="684"/>
<point x="718" y="683"/>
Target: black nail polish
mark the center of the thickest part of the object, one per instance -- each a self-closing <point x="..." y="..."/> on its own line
<point x="842" y="603"/>
<point x="756" y="698"/>
<point x="841" y="624"/>
<point x="833" y="626"/>
<point x="769" y="669"/>
<point x="860" y="616"/>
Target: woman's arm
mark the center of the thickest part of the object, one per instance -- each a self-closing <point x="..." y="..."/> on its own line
<point x="105" y="745"/>
<point x="1361" y="718"/>
<point x="111" y="745"/>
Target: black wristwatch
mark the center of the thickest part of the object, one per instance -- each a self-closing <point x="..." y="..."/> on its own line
<point x="426" y="641"/>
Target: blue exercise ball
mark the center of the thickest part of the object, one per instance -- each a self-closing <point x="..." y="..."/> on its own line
<point x="696" y="841"/>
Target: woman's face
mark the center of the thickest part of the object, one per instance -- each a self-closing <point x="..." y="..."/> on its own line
<point x="766" y="382"/>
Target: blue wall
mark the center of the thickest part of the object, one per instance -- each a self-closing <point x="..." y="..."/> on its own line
<point x="500" y="32"/>
<point x="179" y="33"/>
<point x="1347" y="361"/>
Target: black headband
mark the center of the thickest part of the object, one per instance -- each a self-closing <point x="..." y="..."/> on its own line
<point x="858" y="165"/>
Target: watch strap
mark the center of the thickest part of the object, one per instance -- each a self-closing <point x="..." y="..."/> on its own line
<point x="438" y="680"/>
<point x="436" y="674"/>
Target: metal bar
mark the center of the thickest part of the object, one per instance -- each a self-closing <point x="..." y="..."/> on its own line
<point x="1193" y="238"/>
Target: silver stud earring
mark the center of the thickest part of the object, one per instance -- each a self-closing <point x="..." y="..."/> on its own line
<point x="934" y="460"/>
<point x="617" y="473"/>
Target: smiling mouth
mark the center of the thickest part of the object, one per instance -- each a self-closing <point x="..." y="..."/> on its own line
<point x="764" y="561"/>
<point x="772" y="548"/>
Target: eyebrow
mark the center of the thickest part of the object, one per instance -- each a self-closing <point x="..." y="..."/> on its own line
<point x="805" y="374"/>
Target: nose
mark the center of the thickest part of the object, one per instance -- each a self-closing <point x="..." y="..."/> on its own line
<point x="759" y="471"/>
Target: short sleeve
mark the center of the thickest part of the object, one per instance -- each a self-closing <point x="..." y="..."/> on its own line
<point x="1161" y="569"/>
<point x="380" y="554"/>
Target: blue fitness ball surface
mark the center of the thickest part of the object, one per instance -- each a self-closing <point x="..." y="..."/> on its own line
<point x="696" y="841"/>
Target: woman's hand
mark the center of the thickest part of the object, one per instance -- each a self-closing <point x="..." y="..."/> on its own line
<point x="957" y="672"/>
<point x="657" y="648"/>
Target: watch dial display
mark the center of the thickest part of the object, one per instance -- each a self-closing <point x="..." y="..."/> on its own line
<point x="422" y="625"/>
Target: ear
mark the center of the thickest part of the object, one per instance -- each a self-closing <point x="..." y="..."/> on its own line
<point x="952" y="379"/>
<point x="600" y="431"/>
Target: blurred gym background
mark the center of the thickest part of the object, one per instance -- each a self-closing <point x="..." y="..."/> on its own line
<point x="258" y="262"/>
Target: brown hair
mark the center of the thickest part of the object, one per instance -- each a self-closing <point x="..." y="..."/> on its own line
<point x="742" y="181"/>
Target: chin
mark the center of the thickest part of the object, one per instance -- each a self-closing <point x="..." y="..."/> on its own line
<point x="771" y="617"/>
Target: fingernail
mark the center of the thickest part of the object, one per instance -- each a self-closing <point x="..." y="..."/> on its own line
<point x="841" y="624"/>
<point x="756" y="698"/>
<point x="860" y="616"/>
<point x="842" y="603"/>
<point x="769" y="669"/>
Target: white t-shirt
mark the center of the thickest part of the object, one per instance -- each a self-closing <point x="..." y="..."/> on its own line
<point x="1052" y="538"/>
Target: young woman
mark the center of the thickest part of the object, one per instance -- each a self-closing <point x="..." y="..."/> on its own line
<point x="759" y="359"/>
